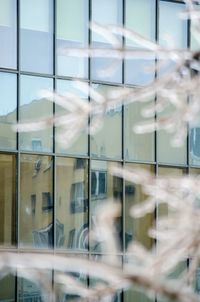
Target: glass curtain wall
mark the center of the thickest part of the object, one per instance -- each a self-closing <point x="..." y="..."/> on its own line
<point x="55" y="189"/>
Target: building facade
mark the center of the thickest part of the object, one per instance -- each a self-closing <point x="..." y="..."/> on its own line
<point x="49" y="193"/>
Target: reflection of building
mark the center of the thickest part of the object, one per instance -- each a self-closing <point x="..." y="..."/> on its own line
<point x="50" y="193"/>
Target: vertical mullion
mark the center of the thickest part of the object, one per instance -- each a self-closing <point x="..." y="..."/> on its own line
<point x="155" y="117"/>
<point x="89" y="3"/>
<point x="123" y="133"/>
<point x="17" y="215"/>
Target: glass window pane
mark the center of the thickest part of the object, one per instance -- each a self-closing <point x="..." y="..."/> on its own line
<point x="172" y="31"/>
<point x="7" y="289"/>
<point x="8" y="34"/>
<point x="7" y="200"/>
<point x="72" y="203"/>
<point x="72" y="32"/>
<point x="36" y="201"/>
<point x="80" y="276"/>
<point x="33" y="108"/>
<point x="29" y="291"/>
<point x="134" y="294"/>
<point x="195" y="144"/>
<point x="178" y="273"/>
<point x="137" y="228"/>
<point x="172" y="28"/>
<point x="36" y="30"/>
<point x="137" y="146"/>
<point x="105" y="13"/>
<point x="166" y="153"/>
<point x="8" y="108"/>
<point x="107" y="141"/>
<point x="140" y="18"/>
<point x="78" y="145"/>
<point x="168" y="172"/>
<point x="194" y="31"/>
<point x="104" y="186"/>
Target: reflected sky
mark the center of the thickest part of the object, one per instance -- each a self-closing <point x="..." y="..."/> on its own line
<point x="32" y="88"/>
<point x="8" y="96"/>
<point x="172" y="29"/>
<point x="65" y="86"/>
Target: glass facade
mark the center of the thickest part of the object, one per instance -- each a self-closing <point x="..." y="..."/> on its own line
<point x="55" y="190"/>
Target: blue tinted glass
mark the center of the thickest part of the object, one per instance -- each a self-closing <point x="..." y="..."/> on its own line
<point x="140" y="18"/>
<point x="35" y="107"/>
<point x="72" y="32"/>
<point x="8" y="34"/>
<point x="36" y="39"/>
<point x="78" y="144"/>
<point x="106" y="12"/>
<point x="106" y="142"/>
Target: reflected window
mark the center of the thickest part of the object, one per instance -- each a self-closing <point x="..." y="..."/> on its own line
<point x="72" y="140"/>
<point x="8" y="34"/>
<point x="36" y="40"/>
<point x="47" y="202"/>
<point x="107" y="140"/>
<point x="7" y="200"/>
<point x="30" y="291"/>
<point x="71" y="204"/>
<point x="72" y="32"/>
<point x="34" y="107"/>
<point x="104" y="188"/>
<point x="8" y="110"/>
<point x="36" y="204"/>
<point x="99" y="179"/>
<point x="106" y="13"/>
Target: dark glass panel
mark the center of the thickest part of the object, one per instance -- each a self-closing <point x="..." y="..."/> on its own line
<point x="7" y="289"/>
<point x="194" y="145"/>
<point x="137" y="228"/>
<point x="36" y="201"/>
<point x="8" y="34"/>
<point x="7" y="200"/>
<point x="35" y="107"/>
<point x="8" y="108"/>
<point x="134" y="294"/>
<point x="107" y="141"/>
<point x="79" y="143"/>
<point x="104" y="188"/>
<point x="163" y="208"/>
<point x="72" y="203"/>
<point x="36" y="40"/>
<point x="72" y="32"/>
<point x="137" y="146"/>
<point x="105" y="13"/>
